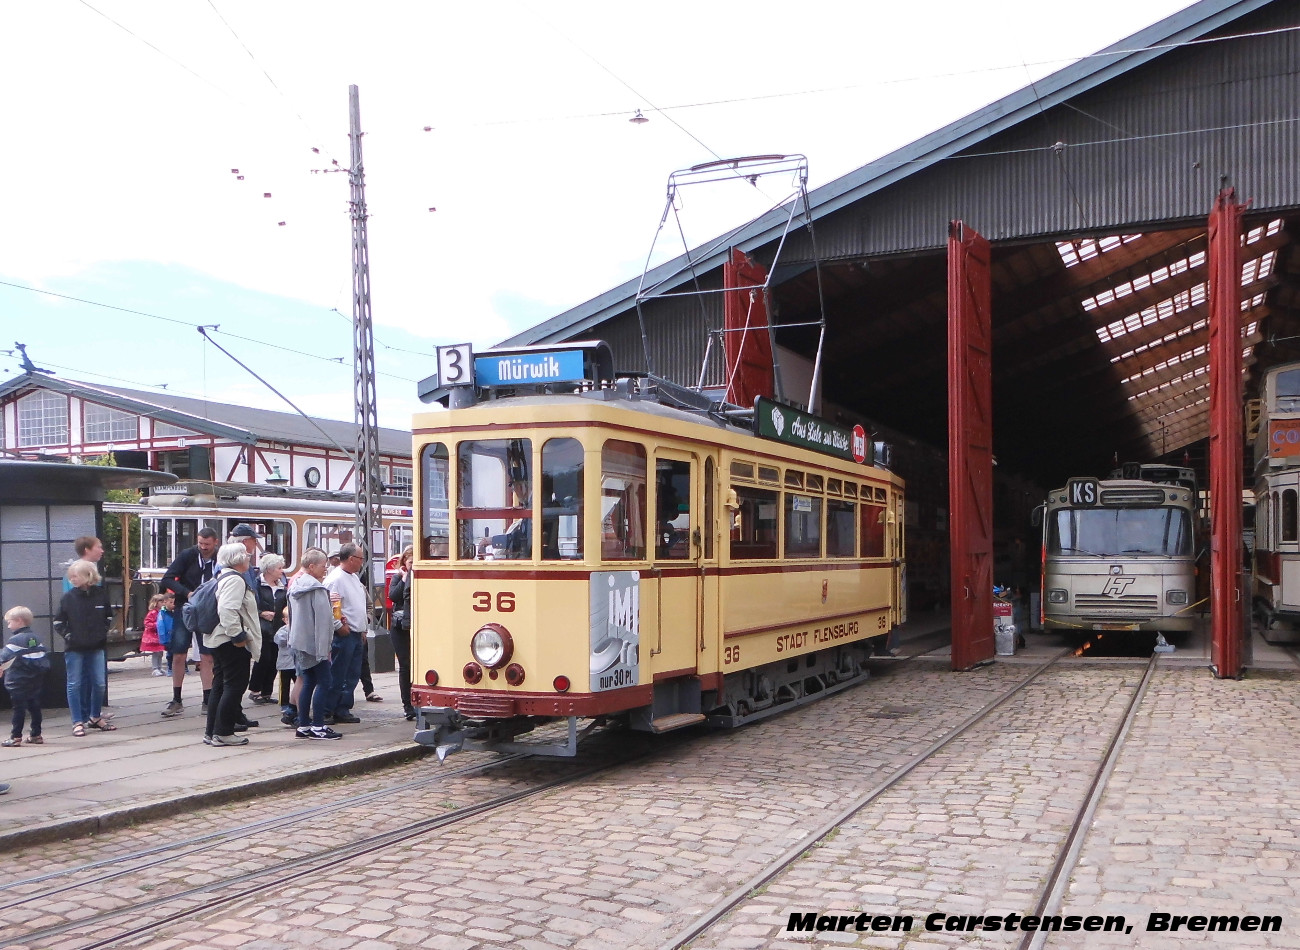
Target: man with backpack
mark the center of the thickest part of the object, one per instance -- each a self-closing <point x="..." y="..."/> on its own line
<point x="191" y="568"/>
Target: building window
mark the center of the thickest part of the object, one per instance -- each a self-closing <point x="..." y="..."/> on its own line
<point x="400" y="482"/>
<point x="165" y="430"/>
<point x="43" y="419"/>
<point x="102" y="424"/>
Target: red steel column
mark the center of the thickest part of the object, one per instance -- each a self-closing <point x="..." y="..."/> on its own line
<point x="970" y="445"/>
<point x="1225" y="436"/>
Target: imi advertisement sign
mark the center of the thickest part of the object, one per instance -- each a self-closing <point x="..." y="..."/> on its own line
<point x="615" y="629"/>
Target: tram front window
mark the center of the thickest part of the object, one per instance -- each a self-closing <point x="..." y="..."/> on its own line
<point x="1112" y="532"/>
<point x="494" y="514"/>
<point x="562" y="500"/>
<point x="434" y="503"/>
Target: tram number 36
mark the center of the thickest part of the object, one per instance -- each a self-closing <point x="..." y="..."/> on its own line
<point x="731" y="655"/>
<point x="484" y="601"/>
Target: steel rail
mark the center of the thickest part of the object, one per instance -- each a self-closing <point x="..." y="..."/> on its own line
<point x="1057" y="880"/>
<point x="306" y="865"/>
<point x="792" y="854"/>
<point x="198" y="843"/>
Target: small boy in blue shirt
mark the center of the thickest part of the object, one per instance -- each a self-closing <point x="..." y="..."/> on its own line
<point x="25" y="664"/>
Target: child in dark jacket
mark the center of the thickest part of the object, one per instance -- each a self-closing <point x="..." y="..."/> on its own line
<point x="25" y="663"/>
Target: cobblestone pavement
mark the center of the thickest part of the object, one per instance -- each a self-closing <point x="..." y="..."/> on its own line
<point x="628" y="858"/>
<point x="1197" y="819"/>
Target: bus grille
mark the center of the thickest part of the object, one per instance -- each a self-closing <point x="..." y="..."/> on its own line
<point x="1130" y="604"/>
<point x="484" y="706"/>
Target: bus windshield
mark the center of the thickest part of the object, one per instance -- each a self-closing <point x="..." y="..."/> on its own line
<point x="1110" y="532"/>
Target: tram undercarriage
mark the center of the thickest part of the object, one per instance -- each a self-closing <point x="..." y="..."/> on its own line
<point x="747" y="696"/>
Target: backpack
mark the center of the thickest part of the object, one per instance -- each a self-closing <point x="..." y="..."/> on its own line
<point x="200" y="611"/>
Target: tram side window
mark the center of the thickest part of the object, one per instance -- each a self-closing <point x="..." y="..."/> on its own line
<point x="622" y="501"/>
<point x="1289" y="526"/>
<point x="494" y="507"/>
<point x="156" y="542"/>
<point x="803" y="526"/>
<point x="840" y="518"/>
<point x="434" y="503"/>
<point x="873" y="530"/>
<point x="753" y="526"/>
<point x="709" y="525"/>
<point x="562" y="500"/>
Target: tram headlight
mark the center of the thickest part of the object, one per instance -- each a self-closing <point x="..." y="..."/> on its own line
<point x="1058" y="595"/>
<point x="492" y="646"/>
<point x="1176" y="597"/>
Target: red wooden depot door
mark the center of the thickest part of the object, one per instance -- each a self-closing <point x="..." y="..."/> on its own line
<point x="970" y="445"/>
<point x="1227" y="640"/>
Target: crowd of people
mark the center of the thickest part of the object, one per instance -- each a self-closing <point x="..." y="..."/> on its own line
<point x="301" y="638"/>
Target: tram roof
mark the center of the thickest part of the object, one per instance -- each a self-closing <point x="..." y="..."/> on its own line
<point x="1099" y="322"/>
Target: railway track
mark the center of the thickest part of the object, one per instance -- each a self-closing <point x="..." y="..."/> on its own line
<point x="103" y="929"/>
<point x="1057" y="878"/>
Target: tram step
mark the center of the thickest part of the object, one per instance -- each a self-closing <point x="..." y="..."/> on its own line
<point x="677" y="721"/>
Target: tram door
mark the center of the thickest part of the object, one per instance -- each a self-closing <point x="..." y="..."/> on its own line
<point x="677" y="605"/>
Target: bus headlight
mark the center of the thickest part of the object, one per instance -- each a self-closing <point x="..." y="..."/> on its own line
<point x="492" y="646"/>
<point x="1176" y="597"/>
<point x="1058" y="595"/>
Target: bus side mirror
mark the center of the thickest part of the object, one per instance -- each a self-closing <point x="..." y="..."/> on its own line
<point x="1036" y="518"/>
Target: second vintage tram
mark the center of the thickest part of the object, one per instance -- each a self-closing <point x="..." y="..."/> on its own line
<point x="619" y="550"/>
<point x="1119" y="554"/>
<point x="1275" y="557"/>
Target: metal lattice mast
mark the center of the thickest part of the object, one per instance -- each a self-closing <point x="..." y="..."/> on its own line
<point x="368" y="487"/>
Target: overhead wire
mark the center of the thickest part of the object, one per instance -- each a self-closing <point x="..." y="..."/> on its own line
<point x="274" y="84"/>
<point x="850" y="87"/>
<point x="337" y="360"/>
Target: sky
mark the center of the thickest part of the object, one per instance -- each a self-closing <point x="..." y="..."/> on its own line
<point x="504" y="182"/>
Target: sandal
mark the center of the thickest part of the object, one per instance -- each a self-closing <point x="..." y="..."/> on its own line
<point x="103" y="725"/>
<point x="374" y="698"/>
<point x="10" y="743"/>
<point x="78" y="729"/>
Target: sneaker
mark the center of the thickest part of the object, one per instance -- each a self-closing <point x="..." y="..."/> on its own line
<point x="241" y="727"/>
<point x="174" y="708"/>
<point x="374" y="698"/>
<point x="303" y="732"/>
<point x="329" y="720"/>
<point x="207" y="740"/>
<point x="289" y="719"/>
<point x="36" y="740"/>
<point x="204" y="709"/>
<point x="345" y="718"/>
<point x="248" y="723"/>
<point x="410" y="714"/>
<point x="229" y="740"/>
<point x="159" y="673"/>
<point x="3" y="788"/>
<point x="325" y="732"/>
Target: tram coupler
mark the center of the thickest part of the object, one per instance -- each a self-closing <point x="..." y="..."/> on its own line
<point x="441" y="730"/>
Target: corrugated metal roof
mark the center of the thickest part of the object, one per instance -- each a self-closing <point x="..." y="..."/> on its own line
<point x="1128" y="54"/>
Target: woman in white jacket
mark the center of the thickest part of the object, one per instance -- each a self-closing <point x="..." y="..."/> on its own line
<point x="235" y="643"/>
<point x="311" y="636"/>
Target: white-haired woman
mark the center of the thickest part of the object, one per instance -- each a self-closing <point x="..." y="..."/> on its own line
<point x="311" y="637"/>
<point x="83" y="619"/>
<point x="271" y="597"/>
<point x="236" y="639"/>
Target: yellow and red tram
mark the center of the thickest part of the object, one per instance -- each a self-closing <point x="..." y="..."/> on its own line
<point x="601" y="552"/>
